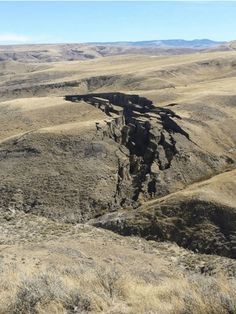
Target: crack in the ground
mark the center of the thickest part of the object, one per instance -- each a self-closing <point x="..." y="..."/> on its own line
<point x="145" y="130"/>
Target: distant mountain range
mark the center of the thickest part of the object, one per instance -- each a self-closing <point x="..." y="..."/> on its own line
<point x="174" y="43"/>
<point x="85" y="51"/>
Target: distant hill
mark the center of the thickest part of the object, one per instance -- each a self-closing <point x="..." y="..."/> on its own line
<point x="176" y="43"/>
<point x="232" y="45"/>
<point x="84" y="51"/>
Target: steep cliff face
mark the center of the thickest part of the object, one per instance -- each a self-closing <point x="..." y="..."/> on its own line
<point x="155" y="156"/>
<point x="149" y="139"/>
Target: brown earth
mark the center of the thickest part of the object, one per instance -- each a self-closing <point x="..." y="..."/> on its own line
<point x="61" y="164"/>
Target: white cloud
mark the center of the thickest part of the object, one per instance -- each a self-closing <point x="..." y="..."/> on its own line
<point x="10" y="38"/>
<point x="14" y="38"/>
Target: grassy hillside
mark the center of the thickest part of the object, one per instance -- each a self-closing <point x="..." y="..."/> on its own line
<point x="49" y="267"/>
<point x="63" y="170"/>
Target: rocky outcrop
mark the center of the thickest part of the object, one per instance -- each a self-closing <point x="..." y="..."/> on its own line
<point x="145" y="137"/>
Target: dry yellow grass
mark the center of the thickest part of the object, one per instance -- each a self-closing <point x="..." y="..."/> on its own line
<point x="49" y="267"/>
<point x="220" y="189"/>
<point x="100" y="272"/>
<point x="21" y="116"/>
<point x="73" y="289"/>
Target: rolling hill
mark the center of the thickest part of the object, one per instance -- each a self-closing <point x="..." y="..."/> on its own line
<point x="117" y="179"/>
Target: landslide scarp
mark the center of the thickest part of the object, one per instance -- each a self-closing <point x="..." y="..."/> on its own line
<point x="145" y="135"/>
<point x="150" y="137"/>
<point x="151" y="145"/>
<point x="74" y="160"/>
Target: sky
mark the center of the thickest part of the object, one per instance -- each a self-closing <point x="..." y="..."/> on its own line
<point x="97" y="21"/>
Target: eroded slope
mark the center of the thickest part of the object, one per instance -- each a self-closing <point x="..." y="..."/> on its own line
<point x="73" y="162"/>
<point x="202" y="217"/>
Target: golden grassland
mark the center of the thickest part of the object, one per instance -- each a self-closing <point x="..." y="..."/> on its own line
<point x="54" y="267"/>
<point x="81" y="269"/>
<point x="74" y="290"/>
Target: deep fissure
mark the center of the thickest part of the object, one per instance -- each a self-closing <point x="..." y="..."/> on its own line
<point x="144" y="129"/>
